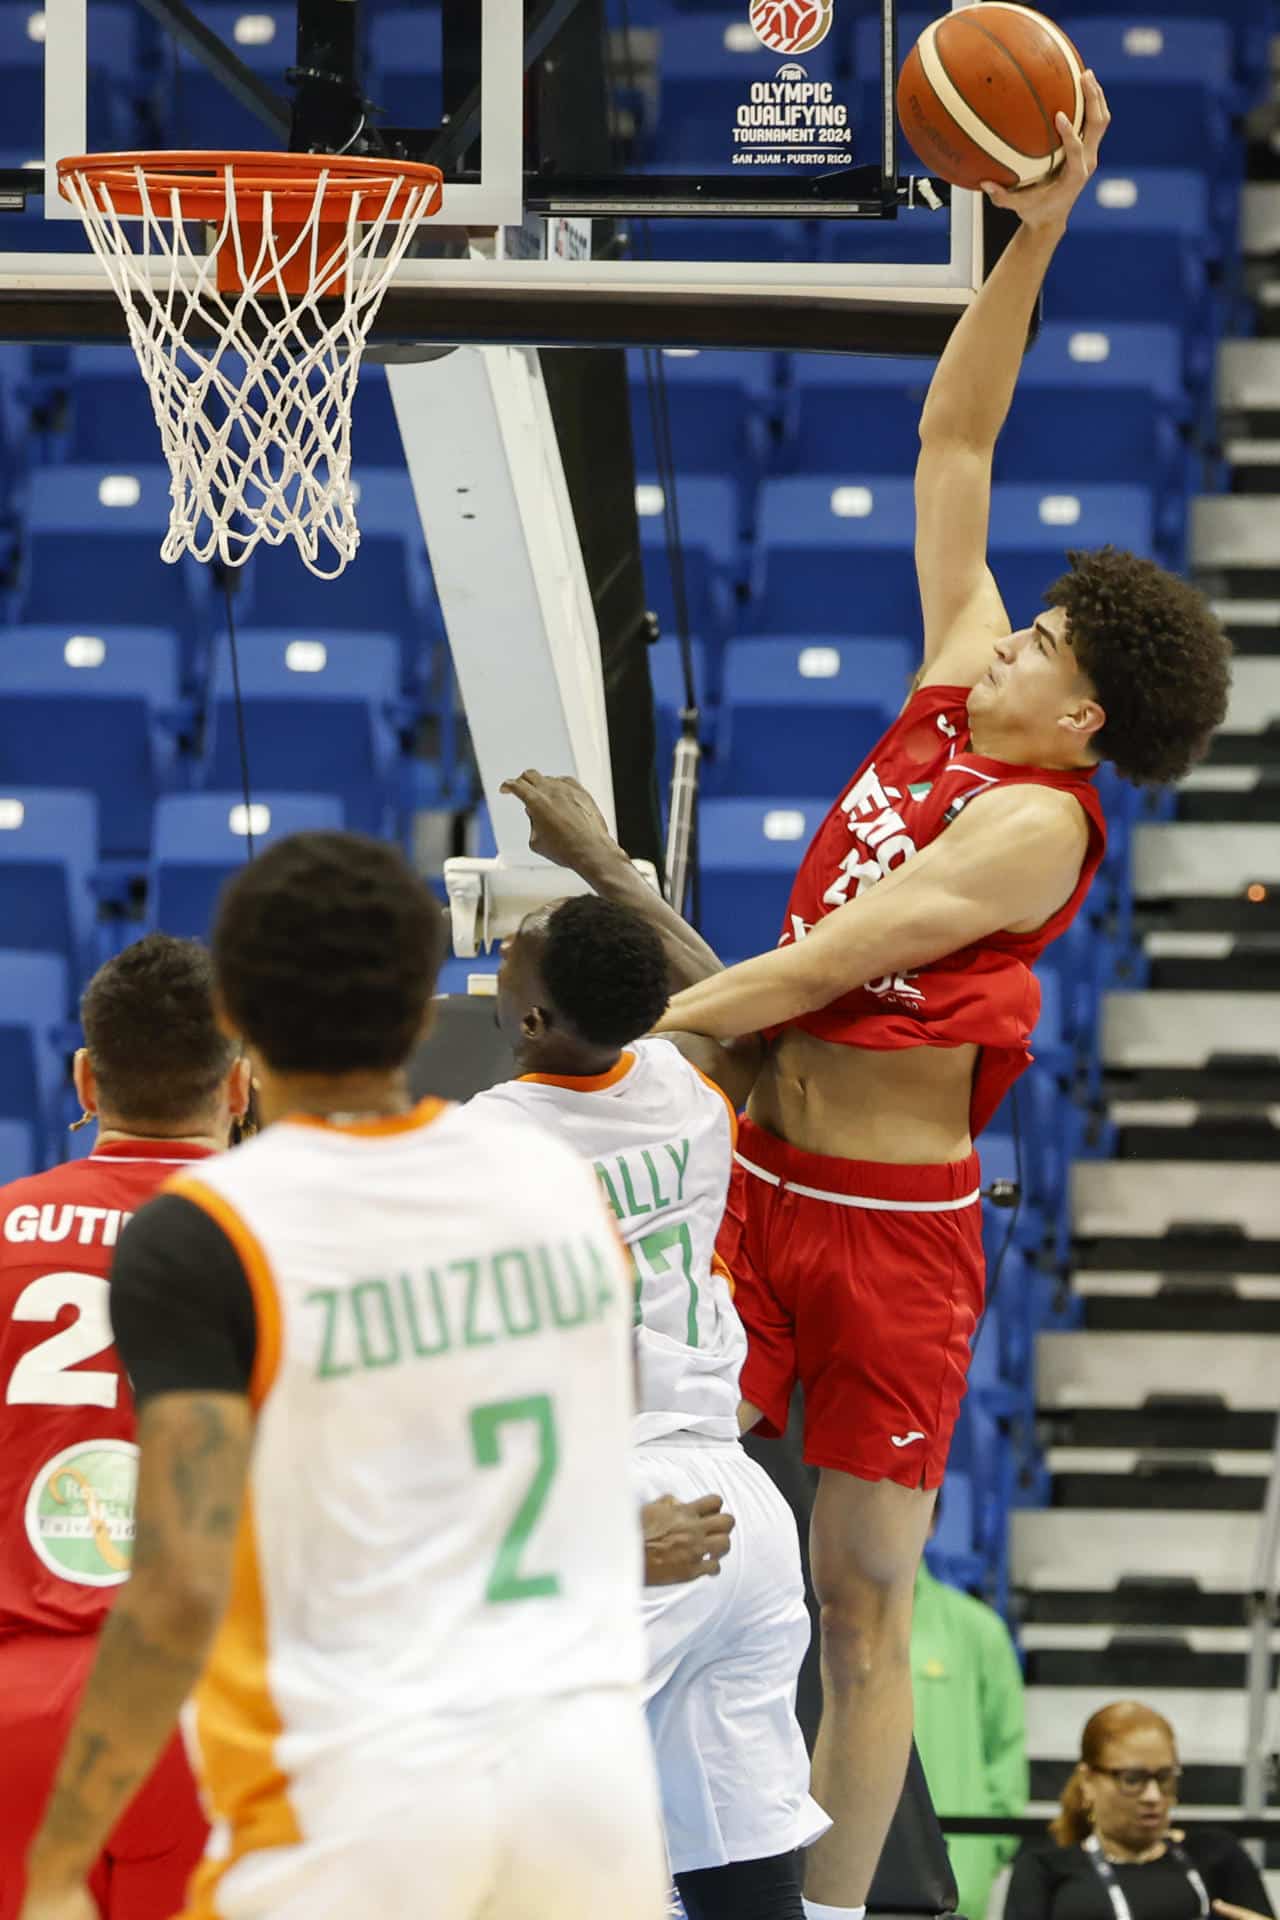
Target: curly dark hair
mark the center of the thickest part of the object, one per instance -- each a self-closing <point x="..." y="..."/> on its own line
<point x="1157" y="657"/>
<point x="604" y="968"/>
<point x="326" y="950"/>
<point x="151" y="1037"/>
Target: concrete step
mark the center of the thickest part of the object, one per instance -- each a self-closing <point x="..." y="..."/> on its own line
<point x="1135" y="1200"/>
<point x="1233" y="544"/>
<point x="1210" y="1726"/>
<point x="1204" y="862"/>
<point x="1077" y="1551"/>
<point x="1170" y="1029"/>
<point x="1139" y="1285"/>
<point x="1260" y="220"/>
<point x="1237" y="1371"/>
<point x="1228" y="962"/>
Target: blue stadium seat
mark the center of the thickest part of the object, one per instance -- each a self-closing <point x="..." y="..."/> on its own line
<point x="951" y="1552"/>
<point x="1103" y="399"/>
<point x="33" y="1032"/>
<point x="405" y="63"/>
<point x="318" y="717"/>
<point x="748" y="853"/>
<point x="806" y="711"/>
<point x="48" y="856"/>
<point x="718" y="406"/>
<point x="17" y="1145"/>
<point x="385" y="589"/>
<point x="1106" y="399"/>
<point x="200" y="841"/>
<point x="1032" y="528"/>
<point x="667" y="675"/>
<point x="111" y="417"/>
<point x="846" y="408"/>
<point x="1169" y="86"/>
<point x="455" y="973"/>
<point x="197" y="110"/>
<point x="709" y="540"/>
<point x="88" y="709"/>
<point x="93" y="539"/>
<point x="835" y="555"/>
<point x="1138" y="248"/>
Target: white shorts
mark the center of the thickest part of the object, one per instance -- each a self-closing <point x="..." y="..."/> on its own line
<point x="724" y="1658"/>
<point x="553" y="1818"/>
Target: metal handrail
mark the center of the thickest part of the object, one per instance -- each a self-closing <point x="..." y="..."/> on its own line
<point x="1260" y="1608"/>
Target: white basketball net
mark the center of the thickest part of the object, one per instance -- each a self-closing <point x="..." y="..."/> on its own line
<point x="252" y="391"/>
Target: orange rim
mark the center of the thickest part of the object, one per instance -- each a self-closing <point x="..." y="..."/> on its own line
<point x="200" y="181"/>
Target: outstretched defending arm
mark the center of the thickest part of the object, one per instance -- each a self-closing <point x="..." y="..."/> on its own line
<point x="567" y="827"/>
<point x="967" y="404"/>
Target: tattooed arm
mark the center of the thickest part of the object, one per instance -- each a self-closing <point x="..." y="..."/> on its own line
<point x="191" y="1476"/>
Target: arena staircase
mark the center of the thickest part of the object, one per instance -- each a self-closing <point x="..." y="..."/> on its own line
<point x="1157" y="1408"/>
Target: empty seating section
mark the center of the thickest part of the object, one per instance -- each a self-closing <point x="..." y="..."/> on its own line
<point x="121" y="759"/>
<point x="201" y="839"/>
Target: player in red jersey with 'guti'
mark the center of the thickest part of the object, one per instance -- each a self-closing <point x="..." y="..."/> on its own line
<point x="165" y="1087"/>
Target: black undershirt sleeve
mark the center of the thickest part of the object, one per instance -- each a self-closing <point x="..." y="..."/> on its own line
<point x="181" y="1305"/>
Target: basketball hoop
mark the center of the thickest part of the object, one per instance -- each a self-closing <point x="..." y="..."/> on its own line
<point x="251" y="349"/>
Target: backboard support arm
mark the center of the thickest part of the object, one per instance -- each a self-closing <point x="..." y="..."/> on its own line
<point x="490" y="488"/>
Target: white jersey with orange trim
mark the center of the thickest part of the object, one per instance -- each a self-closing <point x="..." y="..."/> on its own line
<point x="661" y="1138"/>
<point x="439" y="1532"/>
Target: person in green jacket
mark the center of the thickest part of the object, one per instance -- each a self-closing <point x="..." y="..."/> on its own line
<point x="970" y="1726"/>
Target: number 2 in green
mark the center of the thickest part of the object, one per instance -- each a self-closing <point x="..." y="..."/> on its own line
<point x="505" y="1582"/>
<point x="655" y="1248"/>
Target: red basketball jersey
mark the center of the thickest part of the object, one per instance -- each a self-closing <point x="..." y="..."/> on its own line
<point x="907" y="792"/>
<point x="68" y="1463"/>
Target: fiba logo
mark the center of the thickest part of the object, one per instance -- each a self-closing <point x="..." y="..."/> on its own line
<point x="791" y="26"/>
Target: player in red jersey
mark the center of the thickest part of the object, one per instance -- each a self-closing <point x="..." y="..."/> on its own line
<point x="165" y="1087"/>
<point x="899" y="1005"/>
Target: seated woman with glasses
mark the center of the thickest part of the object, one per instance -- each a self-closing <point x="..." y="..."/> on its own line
<point x="1117" y="1857"/>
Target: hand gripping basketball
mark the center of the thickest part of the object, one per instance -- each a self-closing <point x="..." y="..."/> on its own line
<point x="1049" y="205"/>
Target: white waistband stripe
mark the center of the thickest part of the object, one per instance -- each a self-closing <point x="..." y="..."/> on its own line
<point x="861" y="1200"/>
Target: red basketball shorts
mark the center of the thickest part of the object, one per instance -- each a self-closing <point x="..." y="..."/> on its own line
<point x="143" y="1870"/>
<point x="864" y="1281"/>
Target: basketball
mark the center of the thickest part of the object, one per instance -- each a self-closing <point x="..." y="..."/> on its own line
<point x="980" y="90"/>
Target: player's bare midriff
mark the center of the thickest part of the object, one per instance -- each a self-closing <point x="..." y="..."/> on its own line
<point x="909" y="1107"/>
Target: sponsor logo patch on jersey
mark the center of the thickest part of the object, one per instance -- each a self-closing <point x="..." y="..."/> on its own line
<point x="80" y="1512"/>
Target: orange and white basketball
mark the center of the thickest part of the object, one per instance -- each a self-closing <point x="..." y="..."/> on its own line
<point x="979" y="92"/>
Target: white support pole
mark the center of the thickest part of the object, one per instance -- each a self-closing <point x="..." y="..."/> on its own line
<point x="66" y="94"/>
<point x="495" y="509"/>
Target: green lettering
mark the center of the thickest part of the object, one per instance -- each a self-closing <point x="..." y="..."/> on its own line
<point x="681" y="1160"/>
<point x="328" y="1297"/>
<point x="471" y="1336"/>
<point x="659" y="1199"/>
<point x="533" y="1316"/>
<point x="604" y="1295"/>
<point x="607" y="1184"/>
<point x="369" y="1354"/>
<point x="443" y="1340"/>
<point x="633" y="1205"/>
<point x="578" y="1314"/>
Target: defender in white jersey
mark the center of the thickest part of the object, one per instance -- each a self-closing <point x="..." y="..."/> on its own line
<point x="578" y="984"/>
<point x="386" y="1531"/>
